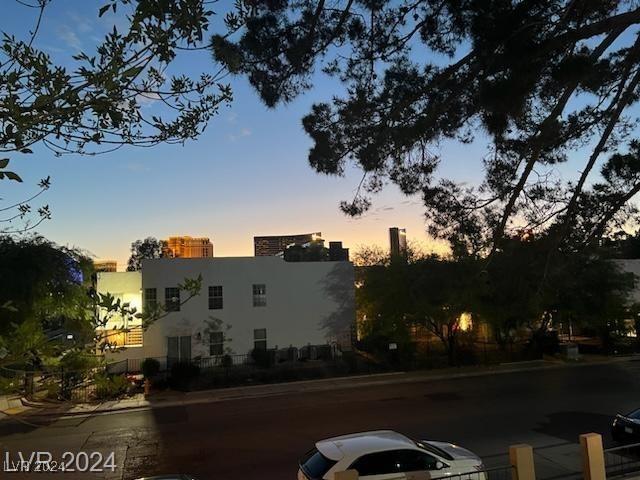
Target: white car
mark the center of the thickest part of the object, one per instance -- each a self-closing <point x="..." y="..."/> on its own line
<point x="387" y="455"/>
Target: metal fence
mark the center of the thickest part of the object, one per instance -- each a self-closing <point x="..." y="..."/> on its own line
<point x="622" y="461"/>
<point x="494" y="473"/>
<point x="223" y="361"/>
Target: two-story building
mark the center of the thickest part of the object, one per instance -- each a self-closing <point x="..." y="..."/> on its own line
<point x="245" y="303"/>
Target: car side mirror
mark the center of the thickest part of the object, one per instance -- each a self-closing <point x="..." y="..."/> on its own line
<point x="439" y="465"/>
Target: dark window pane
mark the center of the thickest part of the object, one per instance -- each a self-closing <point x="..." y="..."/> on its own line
<point x="216" y="337"/>
<point x="150" y="298"/>
<point x="414" y="461"/>
<point x="215" y="297"/>
<point x="378" y="463"/>
<point x="315" y="465"/>
<point x="259" y="295"/>
<point x="185" y="348"/>
<point x="172" y="299"/>
<point x="260" y="334"/>
<point x="173" y="348"/>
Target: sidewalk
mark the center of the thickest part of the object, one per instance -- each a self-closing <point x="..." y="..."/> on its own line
<point x="172" y="399"/>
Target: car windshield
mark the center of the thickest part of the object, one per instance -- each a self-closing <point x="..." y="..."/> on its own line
<point x="635" y="415"/>
<point x="315" y="465"/>
<point x="432" y="449"/>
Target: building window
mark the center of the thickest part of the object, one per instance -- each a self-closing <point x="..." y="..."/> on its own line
<point x="215" y="297"/>
<point x="179" y="349"/>
<point x="260" y="339"/>
<point x="259" y="295"/>
<point x="216" y="343"/>
<point x="150" y="299"/>
<point x="172" y="299"/>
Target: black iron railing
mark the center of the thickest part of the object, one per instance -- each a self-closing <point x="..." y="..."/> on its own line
<point x="622" y="461"/>
<point x="494" y="473"/>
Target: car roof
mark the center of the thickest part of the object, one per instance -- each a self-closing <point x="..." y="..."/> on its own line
<point x="356" y="444"/>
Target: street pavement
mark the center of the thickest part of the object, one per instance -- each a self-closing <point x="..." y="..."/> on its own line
<point x="262" y="438"/>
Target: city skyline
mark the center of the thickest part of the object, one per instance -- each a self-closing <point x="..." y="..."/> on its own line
<point x="382" y="241"/>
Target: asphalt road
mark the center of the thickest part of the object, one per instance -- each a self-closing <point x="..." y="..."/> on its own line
<point x="262" y="438"/>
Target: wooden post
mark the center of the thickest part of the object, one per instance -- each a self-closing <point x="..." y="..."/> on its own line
<point x="592" y="456"/>
<point x="346" y="475"/>
<point x="521" y="459"/>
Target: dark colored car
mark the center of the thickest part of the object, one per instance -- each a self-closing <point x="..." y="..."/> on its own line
<point x="626" y="428"/>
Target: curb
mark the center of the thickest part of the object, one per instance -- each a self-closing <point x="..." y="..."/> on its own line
<point x="342" y="385"/>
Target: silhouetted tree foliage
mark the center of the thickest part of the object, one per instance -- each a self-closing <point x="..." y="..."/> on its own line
<point x="622" y="244"/>
<point x="41" y="280"/>
<point x="98" y="101"/>
<point x="45" y="292"/>
<point x="507" y="293"/>
<point x="148" y="248"/>
<point x="94" y="102"/>
<point x="539" y="79"/>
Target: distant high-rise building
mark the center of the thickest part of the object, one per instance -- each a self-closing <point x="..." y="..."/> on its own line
<point x="187" y="247"/>
<point x="105" y="266"/>
<point x="337" y="253"/>
<point x="398" y="241"/>
<point x="275" y="244"/>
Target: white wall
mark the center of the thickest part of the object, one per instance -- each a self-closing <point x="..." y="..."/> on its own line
<point x="307" y="302"/>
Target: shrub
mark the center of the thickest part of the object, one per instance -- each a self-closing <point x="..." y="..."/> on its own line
<point x="262" y="358"/>
<point x="150" y="367"/>
<point x="227" y="361"/>
<point x="110" y="386"/>
<point x="182" y="373"/>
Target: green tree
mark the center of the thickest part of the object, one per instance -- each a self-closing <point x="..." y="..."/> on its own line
<point x="441" y="292"/>
<point x="537" y="79"/>
<point x="425" y="291"/>
<point x="46" y="291"/>
<point x="148" y="248"/>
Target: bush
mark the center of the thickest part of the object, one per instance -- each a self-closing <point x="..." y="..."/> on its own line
<point x="227" y="361"/>
<point x="182" y="374"/>
<point x="262" y="358"/>
<point x="150" y="367"/>
<point x="110" y="387"/>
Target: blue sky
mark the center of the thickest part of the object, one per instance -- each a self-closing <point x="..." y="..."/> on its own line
<point x="246" y="175"/>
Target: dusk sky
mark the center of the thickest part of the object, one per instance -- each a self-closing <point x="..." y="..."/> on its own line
<point x="246" y="175"/>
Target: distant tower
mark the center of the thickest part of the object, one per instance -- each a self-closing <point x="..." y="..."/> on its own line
<point x="398" y="242"/>
<point x="187" y="247"/>
<point x="105" y="265"/>
<point x="276" y="244"/>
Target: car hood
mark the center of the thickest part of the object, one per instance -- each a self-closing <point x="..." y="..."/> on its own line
<point x="456" y="452"/>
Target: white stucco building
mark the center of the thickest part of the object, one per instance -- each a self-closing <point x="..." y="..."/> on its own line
<point x="244" y="303"/>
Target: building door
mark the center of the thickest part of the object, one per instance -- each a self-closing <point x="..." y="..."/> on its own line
<point x="178" y="349"/>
